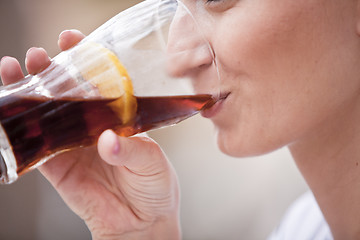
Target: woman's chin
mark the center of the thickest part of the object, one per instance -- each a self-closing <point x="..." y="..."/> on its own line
<point x="243" y="147"/>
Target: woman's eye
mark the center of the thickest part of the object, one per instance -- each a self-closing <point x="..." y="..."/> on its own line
<point x="213" y="1"/>
<point x="219" y="5"/>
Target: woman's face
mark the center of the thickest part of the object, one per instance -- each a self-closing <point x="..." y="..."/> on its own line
<point x="287" y="66"/>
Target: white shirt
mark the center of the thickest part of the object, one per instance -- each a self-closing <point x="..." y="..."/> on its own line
<point x="303" y="221"/>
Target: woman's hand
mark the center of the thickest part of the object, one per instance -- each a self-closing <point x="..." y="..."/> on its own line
<point x="124" y="189"/>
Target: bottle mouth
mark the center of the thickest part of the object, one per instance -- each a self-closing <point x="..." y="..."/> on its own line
<point x="8" y="164"/>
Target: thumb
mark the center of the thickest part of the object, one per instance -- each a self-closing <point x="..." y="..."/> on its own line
<point x="140" y="154"/>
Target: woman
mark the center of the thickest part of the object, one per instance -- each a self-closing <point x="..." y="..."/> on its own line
<point x="290" y="71"/>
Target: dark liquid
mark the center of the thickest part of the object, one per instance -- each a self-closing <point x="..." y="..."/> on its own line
<point x="38" y="126"/>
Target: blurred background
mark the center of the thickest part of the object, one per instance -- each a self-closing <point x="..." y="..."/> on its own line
<point x="221" y="197"/>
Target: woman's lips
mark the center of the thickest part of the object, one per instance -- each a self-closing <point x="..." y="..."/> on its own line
<point x="213" y="110"/>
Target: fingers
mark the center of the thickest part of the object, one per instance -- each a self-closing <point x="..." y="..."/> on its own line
<point x="69" y="38"/>
<point x="139" y="154"/>
<point x="10" y="70"/>
<point x="36" y="60"/>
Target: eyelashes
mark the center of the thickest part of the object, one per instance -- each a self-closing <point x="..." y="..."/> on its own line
<point x="212" y="1"/>
<point x="219" y="5"/>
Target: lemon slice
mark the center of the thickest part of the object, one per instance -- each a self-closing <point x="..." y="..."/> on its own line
<point x="102" y="69"/>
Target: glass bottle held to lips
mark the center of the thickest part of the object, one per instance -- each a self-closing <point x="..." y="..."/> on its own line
<point x="116" y="78"/>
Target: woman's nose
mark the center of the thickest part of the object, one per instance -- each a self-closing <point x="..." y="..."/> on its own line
<point x="187" y="49"/>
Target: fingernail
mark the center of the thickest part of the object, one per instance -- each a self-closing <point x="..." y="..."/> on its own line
<point x="2" y="59"/>
<point x="34" y="48"/>
<point x="69" y="31"/>
<point x="116" y="143"/>
<point x="30" y="50"/>
<point x="63" y="32"/>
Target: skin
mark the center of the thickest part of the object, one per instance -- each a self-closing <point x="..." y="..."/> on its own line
<point x="113" y="186"/>
<point x="276" y="67"/>
<point x="293" y="76"/>
<point x="290" y="71"/>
